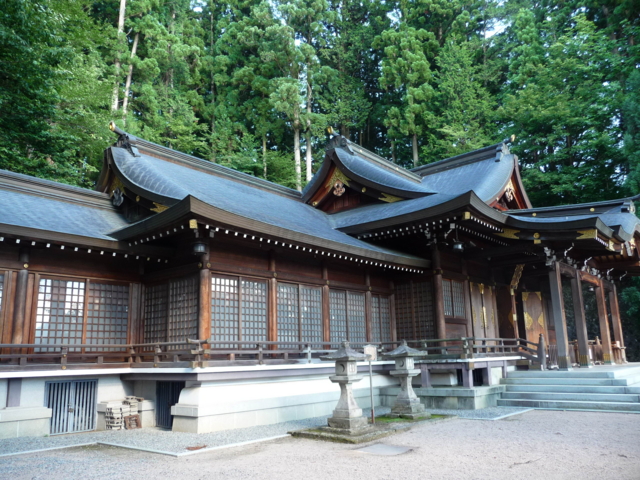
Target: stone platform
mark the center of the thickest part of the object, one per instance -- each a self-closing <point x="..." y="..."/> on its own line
<point x="384" y="427"/>
<point x="452" y="398"/>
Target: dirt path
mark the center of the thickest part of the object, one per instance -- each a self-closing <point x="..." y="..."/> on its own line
<point x="537" y="445"/>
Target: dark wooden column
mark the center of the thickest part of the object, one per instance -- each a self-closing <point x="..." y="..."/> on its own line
<point x="559" y="319"/>
<point x="441" y="329"/>
<point x="368" y="310"/>
<point x="20" y="302"/>
<point x="326" y="306"/>
<point x="514" y="313"/>
<point x="392" y="312"/>
<point x="204" y="300"/>
<point x="615" y="318"/>
<point x="607" y="354"/>
<point x="581" y="322"/>
<point x="272" y="302"/>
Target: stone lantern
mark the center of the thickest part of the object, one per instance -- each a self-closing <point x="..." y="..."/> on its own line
<point x="347" y="416"/>
<point x="407" y="404"/>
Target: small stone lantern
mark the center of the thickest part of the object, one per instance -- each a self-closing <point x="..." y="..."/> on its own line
<point x="347" y="415"/>
<point x="407" y="404"/>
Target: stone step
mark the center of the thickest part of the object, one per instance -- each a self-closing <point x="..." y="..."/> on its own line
<point x="565" y="381"/>
<point x="572" y="405"/>
<point x="596" y="372"/>
<point x="577" y="397"/>
<point x="607" y="389"/>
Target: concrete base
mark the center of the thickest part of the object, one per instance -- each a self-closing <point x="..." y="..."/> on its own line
<point x="454" y="398"/>
<point x="350" y="425"/>
<point x="24" y="422"/>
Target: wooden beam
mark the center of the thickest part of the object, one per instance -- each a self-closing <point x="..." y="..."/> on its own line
<point x="581" y="323"/>
<point x="438" y="294"/>
<point x="559" y="319"/>
<point x="615" y="318"/>
<point x="604" y="325"/>
<point x="20" y="299"/>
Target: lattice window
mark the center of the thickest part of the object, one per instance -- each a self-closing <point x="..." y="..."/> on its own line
<point x="254" y="310"/>
<point x="337" y="316"/>
<point x="183" y="310"/>
<point x="156" y="304"/>
<point x="107" y="314"/>
<point x="446" y="293"/>
<point x="380" y="319"/>
<point x="59" y="313"/>
<point x="356" y="317"/>
<point x="453" y="296"/>
<point x="404" y="312"/>
<point x="385" y="318"/>
<point x="423" y="300"/>
<point x="224" y="309"/>
<point x="458" y="299"/>
<point x="288" y="317"/>
<point x="311" y="314"/>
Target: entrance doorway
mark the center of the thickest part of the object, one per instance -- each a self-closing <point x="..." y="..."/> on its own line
<point x="73" y="405"/>
<point x="167" y="395"/>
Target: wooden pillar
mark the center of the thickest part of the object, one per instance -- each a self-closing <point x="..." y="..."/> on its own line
<point x="392" y="312"/>
<point x="326" y="307"/>
<point x="615" y="318"/>
<point x="559" y="319"/>
<point x="272" y="302"/>
<point x="467" y="299"/>
<point x="368" y="309"/>
<point x="20" y="302"/>
<point x="204" y="300"/>
<point x="441" y="329"/>
<point x="607" y="354"/>
<point x="581" y="322"/>
<point x="514" y="313"/>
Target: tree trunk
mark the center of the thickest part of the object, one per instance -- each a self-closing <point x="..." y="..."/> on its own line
<point x="296" y="157"/>
<point x="127" y="86"/>
<point x="264" y="156"/>
<point x="308" y="136"/>
<point x="116" y="87"/>
<point x="415" y="150"/>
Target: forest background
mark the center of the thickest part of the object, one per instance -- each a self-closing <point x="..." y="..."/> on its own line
<point x="254" y="84"/>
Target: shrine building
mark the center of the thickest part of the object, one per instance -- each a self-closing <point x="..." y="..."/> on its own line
<point x="210" y="294"/>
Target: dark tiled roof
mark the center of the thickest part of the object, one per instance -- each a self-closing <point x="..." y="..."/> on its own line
<point x="32" y="203"/>
<point x="169" y="182"/>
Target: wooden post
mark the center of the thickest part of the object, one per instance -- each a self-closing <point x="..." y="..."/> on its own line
<point x="559" y="319"/>
<point x="272" y="308"/>
<point x="368" y="310"/>
<point x="20" y="302"/>
<point x="581" y="323"/>
<point x="204" y="300"/>
<point x="392" y="313"/>
<point x="326" y="305"/>
<point x="441" y="329"/>
<point x="514" y="313"/>
<point x="615" y="318"/>
<point x="607" y="353"/>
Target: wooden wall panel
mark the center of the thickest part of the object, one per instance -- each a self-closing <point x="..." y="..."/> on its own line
<point x="534" y="317"/>
<point x="506" y="323"/>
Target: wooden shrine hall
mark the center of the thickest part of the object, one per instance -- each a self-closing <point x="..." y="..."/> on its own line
<point x="209" y="294"/>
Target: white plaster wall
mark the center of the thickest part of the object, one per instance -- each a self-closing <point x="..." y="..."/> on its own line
<point x="109" y="388"/>
<point x="113" y="388"/>
<point x="3" y="392"/>
<point x="145" y="389"/>
<point x="32" y="392"/>
<point x="496" y="375"/>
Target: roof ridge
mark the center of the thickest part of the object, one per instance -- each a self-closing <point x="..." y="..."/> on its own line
<point x="462" y="159"/>
<point x="28" y="184"/>
<point x="208" y="167"/>
<point x="383" y="162"/>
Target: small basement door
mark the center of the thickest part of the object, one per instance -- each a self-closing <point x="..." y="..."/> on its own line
<point x="167" y="395"/>
<point x="73" y="405"/>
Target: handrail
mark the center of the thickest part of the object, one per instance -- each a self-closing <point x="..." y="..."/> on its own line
<point x="200" y="353"/>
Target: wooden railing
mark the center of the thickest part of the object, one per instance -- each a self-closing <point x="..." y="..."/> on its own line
<point x="207" y="353"/>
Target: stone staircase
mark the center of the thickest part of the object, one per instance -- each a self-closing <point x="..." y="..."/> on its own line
<point x="600" y="388"/>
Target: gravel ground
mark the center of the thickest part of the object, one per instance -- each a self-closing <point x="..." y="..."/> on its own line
<point x="177" y="442"/>
<point x="537" y="444"/>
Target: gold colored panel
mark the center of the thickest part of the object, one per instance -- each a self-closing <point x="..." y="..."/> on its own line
<point x="539" y="294"/>
<point x="541" y="320"/>
<point x="509" y="233"/>
<point x="159" y="207"/>
<point x="484" y="317"/>
<point x="389" y="198"/>
<point x="528" y="321"/>
<point x="335" y="177"/>
<point x="525" y="296"/>
<point x="193" y="224"/>
<point x="587" y="234"/>
<point x="466" y="216"/>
